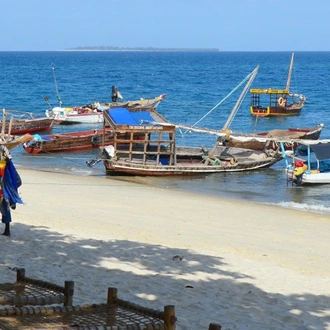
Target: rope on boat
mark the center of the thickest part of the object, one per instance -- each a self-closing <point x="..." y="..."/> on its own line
<point x="73" y="160"/>
<point x="22" y="114"/>
<point x="226" y="97"/>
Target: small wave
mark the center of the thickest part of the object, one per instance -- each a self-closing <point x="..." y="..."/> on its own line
<point x="304" y="207"/>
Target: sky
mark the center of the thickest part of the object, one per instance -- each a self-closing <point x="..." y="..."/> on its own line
<point x="228" y="25"/>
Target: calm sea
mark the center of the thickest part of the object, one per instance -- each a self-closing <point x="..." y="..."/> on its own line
<point x="194" y="83"/>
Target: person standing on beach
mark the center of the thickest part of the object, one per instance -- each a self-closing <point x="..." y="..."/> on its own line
<point x="9" y="183"/>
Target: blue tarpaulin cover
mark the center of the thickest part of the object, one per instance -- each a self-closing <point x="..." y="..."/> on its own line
<point x="121" y="116"/>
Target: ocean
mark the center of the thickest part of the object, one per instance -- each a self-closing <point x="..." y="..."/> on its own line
<point x="194" y="84"/>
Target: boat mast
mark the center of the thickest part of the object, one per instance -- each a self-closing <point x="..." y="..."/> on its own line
<point x="57" y="93"/>
<point x="287" y="87"/>
<point x="233" y="112"/>
<point x="241" y="97"/>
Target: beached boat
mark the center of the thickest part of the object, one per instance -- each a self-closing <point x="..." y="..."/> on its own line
<point x="156" y="154"/>
<point x="276" y="102"/>
<point x="268" y="140"/>
<point x="18" y="122"/>
<point x="72" y="141"/>
<point x="310" y="162"/>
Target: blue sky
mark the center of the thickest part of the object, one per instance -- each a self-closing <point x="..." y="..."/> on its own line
<point x="229" y="25"/>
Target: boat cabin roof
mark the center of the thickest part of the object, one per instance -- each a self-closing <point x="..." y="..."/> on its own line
<point x="122" y="116"/>
<point x="320" y="148"/>
<point x="269" y="91"/>
<point x="130" y="119"/>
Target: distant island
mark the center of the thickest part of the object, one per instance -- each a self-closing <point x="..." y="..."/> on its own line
<point x="140" y="49"/>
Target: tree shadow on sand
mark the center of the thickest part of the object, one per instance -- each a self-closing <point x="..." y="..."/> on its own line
<point x="154" y="276"/>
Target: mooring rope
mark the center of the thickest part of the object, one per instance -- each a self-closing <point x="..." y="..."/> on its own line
<point x="72" y="160"/>
<point x="218" y="104"/>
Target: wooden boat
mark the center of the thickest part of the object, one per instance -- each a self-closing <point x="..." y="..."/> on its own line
<point x="75" y="115"/>
<point x="24" y="122"/>
<point x="68" y="142"/>
<point x="156" y="154"/>
<point x="92" y="114"/>
<point x="141" y="104"/>
<point x="310" y="162"/>
<point x="268" y="140"/>
<point x="276" y="102"/>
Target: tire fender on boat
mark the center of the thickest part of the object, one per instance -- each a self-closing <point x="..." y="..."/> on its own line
<point x="95" y="140"/>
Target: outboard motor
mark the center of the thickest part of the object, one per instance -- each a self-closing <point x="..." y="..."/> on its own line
<point x="107" y="153"/>
<point x="92" y="162"/>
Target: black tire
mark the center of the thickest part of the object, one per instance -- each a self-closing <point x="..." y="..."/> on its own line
<point x="95" y="140"/>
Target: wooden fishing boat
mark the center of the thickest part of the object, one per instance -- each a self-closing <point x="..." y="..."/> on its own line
<point x="141" y="104"/>
<point x="20" y="122"/>
<point x="310" y="162"/>
<point x="276" y="102"/>
<point x="156" y="154"/>
<point x="72" y="141"/>
<point x="260" y="141"/>
<point x="268" y="140"/>
<point x="182" y="161"/>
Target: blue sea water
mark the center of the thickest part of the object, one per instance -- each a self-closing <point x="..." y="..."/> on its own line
<point x="194" y="83"/>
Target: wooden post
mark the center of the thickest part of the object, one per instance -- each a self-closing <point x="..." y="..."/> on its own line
<point x="112" y="295"/>
<point x="169" y="317"/>
<point x="112" y="317"/>
<point x="20" y="289"/>
<point x="20" y="274"/>
<point x="68" y="293"/>
<point x="10" y="125"/>
<point x="3" y="122"/>
<point x="214" y="326"/>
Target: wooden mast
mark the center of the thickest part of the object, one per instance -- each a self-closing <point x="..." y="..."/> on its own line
<point x="240" y="99"/>
<point x="252" y="75"/>
<point x="287" y="87"/>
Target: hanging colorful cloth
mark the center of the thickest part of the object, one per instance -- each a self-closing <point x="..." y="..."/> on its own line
<point x="10" y="184"/>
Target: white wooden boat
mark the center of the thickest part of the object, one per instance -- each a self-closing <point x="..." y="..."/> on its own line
<point x="75" y="115"/>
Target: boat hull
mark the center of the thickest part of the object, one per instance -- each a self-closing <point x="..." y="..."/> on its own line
<point x="66" y="118"/>
<point x="180" y="170"/>
<point x="194" y="161"/>
<point x="22" y="126"/>
<point x="261" y="141"/>
<point x="69" y="142"/>
<point x="313" y="178"/>
<point x="292" y="110"/>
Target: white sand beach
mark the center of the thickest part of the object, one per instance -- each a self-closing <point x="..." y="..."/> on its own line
<point x="244" y="265"/>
